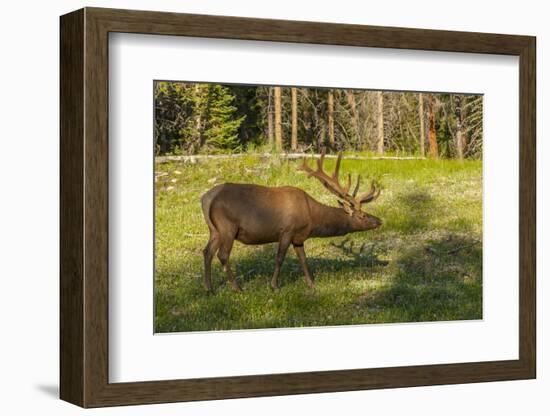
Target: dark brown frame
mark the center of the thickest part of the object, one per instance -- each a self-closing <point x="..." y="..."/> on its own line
<point x="84" y="207"/>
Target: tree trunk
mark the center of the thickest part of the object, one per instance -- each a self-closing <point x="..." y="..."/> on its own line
<point x="366" y="119"/>
<point x="354" y="118"/>
<point x="198" y="115"/>
<point x="330" y="111"/>
<point x="422" y="139"/>
<point x="432" y="137"/>
<point x="459" y="127"/>
<point x="307" y="119"/>
<point x="294" y="137"/>
<point x="380" y="122"/>
<point x="270" y="132"/>
<point x="278" y="121"/>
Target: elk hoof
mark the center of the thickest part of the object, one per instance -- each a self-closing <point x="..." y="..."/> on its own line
<point x="236" y="287"/>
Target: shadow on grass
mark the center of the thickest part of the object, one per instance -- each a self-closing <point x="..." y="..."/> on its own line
<point x="257" y="266"/>
<point x="188" y="308"/>
<point x="434" y="280"/>
<point x="416" y="210"/>
<point x="438" y="280"/>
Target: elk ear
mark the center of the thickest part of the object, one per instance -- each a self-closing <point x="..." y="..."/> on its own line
<point x="346" y="208"/>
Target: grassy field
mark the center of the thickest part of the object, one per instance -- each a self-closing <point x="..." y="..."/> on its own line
<point x="423" y="264"/>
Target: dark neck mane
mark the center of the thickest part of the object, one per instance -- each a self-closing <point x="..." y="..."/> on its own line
<point x="329" y="221"/>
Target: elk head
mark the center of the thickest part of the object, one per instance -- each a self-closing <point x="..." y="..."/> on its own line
<point x="351" y="203"/>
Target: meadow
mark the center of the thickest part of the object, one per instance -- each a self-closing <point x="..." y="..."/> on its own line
<point x="423" y="264"/>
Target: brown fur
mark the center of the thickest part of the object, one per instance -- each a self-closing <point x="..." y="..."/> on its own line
<point x="254" y="214"/>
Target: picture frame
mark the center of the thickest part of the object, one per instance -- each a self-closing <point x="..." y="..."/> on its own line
<point x="84" y="216"/>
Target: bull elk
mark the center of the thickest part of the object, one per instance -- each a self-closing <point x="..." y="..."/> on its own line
<point x="254" y="214"/>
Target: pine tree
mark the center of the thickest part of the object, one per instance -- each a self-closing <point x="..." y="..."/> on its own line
<point x="222" y="125"/>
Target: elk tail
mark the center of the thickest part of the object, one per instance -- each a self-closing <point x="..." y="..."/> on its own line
<point x="206" y="203"/>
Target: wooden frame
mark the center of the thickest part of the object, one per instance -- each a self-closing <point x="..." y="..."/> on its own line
<point x="84" y="207"/>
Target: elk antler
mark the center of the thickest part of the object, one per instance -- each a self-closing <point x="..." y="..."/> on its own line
<point x="371" y="195"/>
<point x="332" y="184"/>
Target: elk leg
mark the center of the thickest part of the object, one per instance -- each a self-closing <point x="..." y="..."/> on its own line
<point x="281" y="253"/>
<point x="223" y="256"/>
<point x="300" y="252"/>
<point x="208" y="252"/>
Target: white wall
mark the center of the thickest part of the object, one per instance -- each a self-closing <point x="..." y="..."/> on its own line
<point x="29" y="209"/>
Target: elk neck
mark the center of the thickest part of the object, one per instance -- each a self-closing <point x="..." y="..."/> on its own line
<point x="329" y="221"/>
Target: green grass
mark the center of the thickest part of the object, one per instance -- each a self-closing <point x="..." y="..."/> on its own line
<point x="423" y="264"/>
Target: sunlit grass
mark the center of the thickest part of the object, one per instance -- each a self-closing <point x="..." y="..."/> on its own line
<point x="424" y="264"/>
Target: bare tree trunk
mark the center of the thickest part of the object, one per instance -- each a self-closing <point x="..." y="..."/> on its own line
<point x="459" y="127"/>
<point x="366" y="119"/>
<point x="354" y="117"/>
<point x="330" y="111"/>
<point x="307" y="118"/>
<point x="294" y="138"/>
<point x="380" y="122"/>
<point x="278" y="121"/>
<point x="270" y="132"/>
<point x="432" y="138"/>
<point x="198" y="116"/>
<point x="400" y="124"/>
<point x="421" y="117"/>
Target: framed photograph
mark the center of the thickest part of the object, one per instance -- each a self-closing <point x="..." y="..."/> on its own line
<point x="255" y="207"/>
